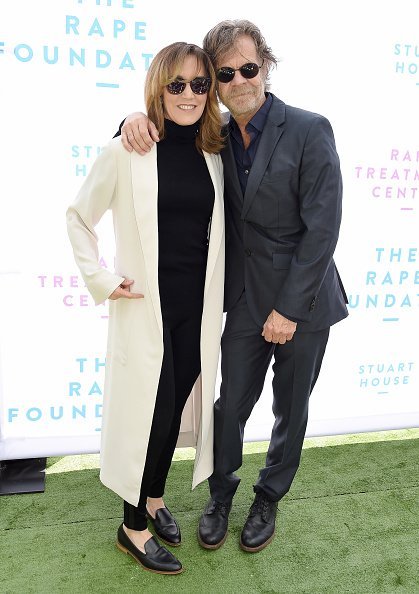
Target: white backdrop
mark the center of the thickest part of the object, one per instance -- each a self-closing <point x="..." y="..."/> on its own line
<point x="70" y="72"/>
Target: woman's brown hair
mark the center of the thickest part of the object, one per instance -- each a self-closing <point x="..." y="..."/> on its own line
<point x="164" y="69"/>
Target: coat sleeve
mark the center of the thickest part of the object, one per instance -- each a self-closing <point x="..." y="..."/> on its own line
<point x="118" y="133"/>
<point x="320" y="203"/>
<point x="93" y="200"/>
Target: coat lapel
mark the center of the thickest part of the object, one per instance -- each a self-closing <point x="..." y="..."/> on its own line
<point x="144" y="191"/>
<point x="217" y="219"/>
<point x="271" y="134"/>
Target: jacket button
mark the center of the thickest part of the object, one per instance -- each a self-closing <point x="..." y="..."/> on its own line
<point x="312" y="304"/>
<point x="248" y="252"/>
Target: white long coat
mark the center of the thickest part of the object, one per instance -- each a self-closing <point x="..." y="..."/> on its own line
<point x="127" y="184"/>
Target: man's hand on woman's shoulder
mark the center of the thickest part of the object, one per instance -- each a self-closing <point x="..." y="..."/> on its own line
<point x="138" y="133"/>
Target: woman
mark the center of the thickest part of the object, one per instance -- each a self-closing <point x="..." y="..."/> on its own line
<point x="165" y="297"/>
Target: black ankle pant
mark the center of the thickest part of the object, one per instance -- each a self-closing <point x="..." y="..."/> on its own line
<point x="180" y="368"/>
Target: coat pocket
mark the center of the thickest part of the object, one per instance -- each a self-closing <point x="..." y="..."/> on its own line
<point x="281" y="261"/>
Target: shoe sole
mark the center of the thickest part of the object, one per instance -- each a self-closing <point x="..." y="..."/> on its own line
<point x="256" y="549"/>
<point x="211" y="547"/>
<point x="127" y="552"/>
<point x="171" y="544"/>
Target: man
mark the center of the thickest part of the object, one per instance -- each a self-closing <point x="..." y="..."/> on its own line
<point x="283" y="194"/>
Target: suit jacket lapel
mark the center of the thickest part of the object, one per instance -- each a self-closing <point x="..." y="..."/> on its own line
<point x="144" y="191"/>
<point x="230" y="169"/>
<point x="271" y="134"/>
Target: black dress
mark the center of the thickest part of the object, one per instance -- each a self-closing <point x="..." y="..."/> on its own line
<point x="185" y="203"/>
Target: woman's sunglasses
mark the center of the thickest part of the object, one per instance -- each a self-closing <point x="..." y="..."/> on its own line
<point x="249" y="70"/>
<point x="199" y="85"/>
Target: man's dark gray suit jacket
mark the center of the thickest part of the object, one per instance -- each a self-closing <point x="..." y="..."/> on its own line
<point x="280" y="237"/>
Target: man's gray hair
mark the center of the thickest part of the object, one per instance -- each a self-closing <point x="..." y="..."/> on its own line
<point x="222" y="38"/>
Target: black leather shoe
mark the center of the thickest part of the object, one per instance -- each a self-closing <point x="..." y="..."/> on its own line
<point x="166" y="527"/>
<point x="212" y="529"/>
<point x="156" y="558"/>
<point x="259" y="528"/>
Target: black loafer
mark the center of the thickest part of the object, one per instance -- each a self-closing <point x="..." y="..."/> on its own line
<point x="156" y="558"/>
<point x="212" y="529"/>
<point x="259" y="528"/>
<point x="166" y="527"/>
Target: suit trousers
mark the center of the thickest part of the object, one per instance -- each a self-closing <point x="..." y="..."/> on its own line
<point x="245" y="357"/>
<point x="181" y="366"/>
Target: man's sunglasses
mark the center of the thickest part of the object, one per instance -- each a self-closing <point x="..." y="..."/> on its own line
<point x="199" y="85"/>
<point x="249" y="70"/>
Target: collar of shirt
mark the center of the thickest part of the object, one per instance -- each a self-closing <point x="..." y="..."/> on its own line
<point x="256" y="124"/>
<point x="244" y="158"/>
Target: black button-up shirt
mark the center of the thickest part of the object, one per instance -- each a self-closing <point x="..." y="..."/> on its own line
<point x="244" y="157"/>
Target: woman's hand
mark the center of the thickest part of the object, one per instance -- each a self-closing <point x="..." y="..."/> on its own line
<point x="138" y="133"/>
<point x="124" y="291"/>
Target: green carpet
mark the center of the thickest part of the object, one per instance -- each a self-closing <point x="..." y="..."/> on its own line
<point x="350" y="524"/>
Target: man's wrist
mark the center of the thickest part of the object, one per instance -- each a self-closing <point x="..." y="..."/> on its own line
<point x="290" y="319"/>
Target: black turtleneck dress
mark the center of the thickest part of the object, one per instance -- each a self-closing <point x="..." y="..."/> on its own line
<point x="185" y="204"/>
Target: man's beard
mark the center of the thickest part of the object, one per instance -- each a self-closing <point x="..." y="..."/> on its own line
<point x="248" y="103"/>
